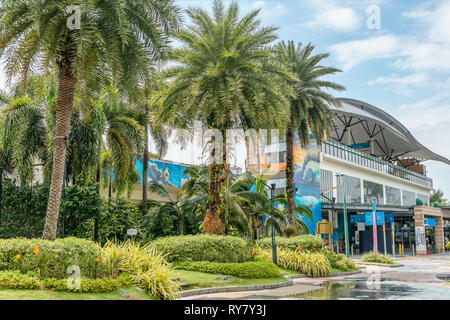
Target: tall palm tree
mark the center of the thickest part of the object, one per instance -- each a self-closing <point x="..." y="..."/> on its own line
<point x="309" y="111"/>
<point x="225" y="77"/>
<point x="118" y="37"/>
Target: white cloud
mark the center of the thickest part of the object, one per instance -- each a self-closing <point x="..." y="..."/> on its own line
<point x="352" y="53"/>
<point x="412" y="79"/>
<point x="258" y="4"/>
<point x="336" y="19"/>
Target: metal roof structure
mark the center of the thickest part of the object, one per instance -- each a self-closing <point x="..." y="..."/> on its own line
<point x="357" y="122"/>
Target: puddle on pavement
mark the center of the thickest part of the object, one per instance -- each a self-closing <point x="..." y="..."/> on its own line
<point x="361" y="289"/>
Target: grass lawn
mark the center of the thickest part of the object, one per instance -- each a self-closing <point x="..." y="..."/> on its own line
<point x="333" y="270"/>
<point x="197" y="280"/>
<point x="17" y="294"/>
<point x="288" y="272"/>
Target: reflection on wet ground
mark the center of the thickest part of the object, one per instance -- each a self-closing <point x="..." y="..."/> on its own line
<point x="361" y="289"/>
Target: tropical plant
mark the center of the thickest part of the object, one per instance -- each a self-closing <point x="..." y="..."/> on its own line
<point x="168" y="206"/>
<point x="225" y="77"/>
<point x="115" y="38"/>
<point x="309" y="111"/>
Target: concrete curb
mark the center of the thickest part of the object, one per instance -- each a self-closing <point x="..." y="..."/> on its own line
<point x="338" y="274"/>
<point x="296" y="276"/>
<point x="202" y="291"/>
<point x="379" y="264"/>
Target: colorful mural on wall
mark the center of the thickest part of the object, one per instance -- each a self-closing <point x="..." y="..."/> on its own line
<point x="165" y="173"/>
<point x="306" y="177"/>
<point x="307" y="181"/>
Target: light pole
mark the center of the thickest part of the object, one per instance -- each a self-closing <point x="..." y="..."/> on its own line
<point x="341" y="176"/>
<point x="274" y="245"/>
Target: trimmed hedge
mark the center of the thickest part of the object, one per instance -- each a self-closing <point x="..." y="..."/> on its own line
<point x="305" y="242"/>
<point x="51" y="258"/>
<point x="256" y="269"/>
<point x="204" y="248"/>
<point x="16" y="280"/>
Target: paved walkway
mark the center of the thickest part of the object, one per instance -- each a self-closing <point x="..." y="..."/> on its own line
<point x="416" y="271"/>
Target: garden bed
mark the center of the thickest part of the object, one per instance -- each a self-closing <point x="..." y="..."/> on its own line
<point x="394" y="265"/>
<point x="20" y="294"/>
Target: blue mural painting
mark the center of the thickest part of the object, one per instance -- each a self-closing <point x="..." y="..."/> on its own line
<point x="165" y="173"/>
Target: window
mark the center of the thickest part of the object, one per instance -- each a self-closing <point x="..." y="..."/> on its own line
<point x="409" y="198"/>
<point x="372" y="191"/>
<point x="393" y="196"/>
<point x="352" y="187"/>
<point x="424" y="198"/>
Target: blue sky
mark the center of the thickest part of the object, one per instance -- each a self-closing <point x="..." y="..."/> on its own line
<point x="403" y="67"/>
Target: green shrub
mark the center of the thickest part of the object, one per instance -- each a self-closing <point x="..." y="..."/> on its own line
<point x="257" y="269"/>
<point x="447" y="245"/>
<point x="86" y="285"/>
<point x="16" y="280"/>
<point x="306" y="242"/>
<point x="339" y="261"/>
<point x="51" y="258"/>
<point x="380" y="258"/>
<point x="313" y="264"/>
<point x="204" y="248"/>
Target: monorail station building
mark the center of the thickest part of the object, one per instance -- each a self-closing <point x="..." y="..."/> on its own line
<point x="368" y="157"/>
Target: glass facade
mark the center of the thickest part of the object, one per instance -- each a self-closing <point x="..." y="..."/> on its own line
<point x="326" y="182"/>
<point x="424" y="198"/>
<point x="352" y="190"/>
<point x="409" y="198"/>
<point x="393" y="196"/>
<point x="373" y="190"/>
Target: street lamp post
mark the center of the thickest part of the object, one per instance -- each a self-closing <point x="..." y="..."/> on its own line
<point x="274" y="245"/>
<point x="272" y="196"/>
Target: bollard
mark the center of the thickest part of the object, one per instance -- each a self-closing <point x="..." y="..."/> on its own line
<point x="400" y="251"/>
<point x="413" y="251"/>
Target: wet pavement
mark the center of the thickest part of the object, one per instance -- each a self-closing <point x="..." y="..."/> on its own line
<point x="415" y="280"/>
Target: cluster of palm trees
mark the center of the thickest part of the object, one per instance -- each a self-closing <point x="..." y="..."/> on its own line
<point x="117" y="78"/>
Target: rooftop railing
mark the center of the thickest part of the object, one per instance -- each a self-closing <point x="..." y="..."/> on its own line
<point x="346" y="153"/>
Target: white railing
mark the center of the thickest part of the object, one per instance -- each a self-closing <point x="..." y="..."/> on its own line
<point x="346" y="153"/>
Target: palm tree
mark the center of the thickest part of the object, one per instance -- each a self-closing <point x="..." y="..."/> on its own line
<point x="117" y="37"/>
<point x="168" y="206"/>
<point x="309" y="111"/>
<point x="225" y="77"/>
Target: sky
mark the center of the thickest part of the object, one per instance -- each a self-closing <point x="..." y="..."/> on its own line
<point x="399" y="62"/>
<point x="400" y="65"/>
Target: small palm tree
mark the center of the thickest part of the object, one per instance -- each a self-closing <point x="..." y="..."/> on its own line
<point x="309" y="111"/>
<point x="116" y="38"/>
<point x="225" y="77"/>
<point x="168" y="206"/>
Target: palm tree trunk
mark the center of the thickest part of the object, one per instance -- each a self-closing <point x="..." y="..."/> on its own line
<point x="212" y="223"/>
<point x="181" y="223"/>
<point x="145" y="173"/>
<point x="290" y="174"/>
<point x="98" y="177"/>
<point x="66" y="88"/>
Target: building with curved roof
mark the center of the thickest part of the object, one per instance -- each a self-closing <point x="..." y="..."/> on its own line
<point x="369" y="157"/>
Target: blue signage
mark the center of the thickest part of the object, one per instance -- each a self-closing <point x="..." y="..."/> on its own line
<point x="379" y="218"/>
<point x="431" y="222"/>
<point x="364" y="145"/>
<point x="357" y="218"/>
<point x="389" y="217"/>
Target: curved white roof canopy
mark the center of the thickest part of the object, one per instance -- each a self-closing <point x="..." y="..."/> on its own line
<point x="359" y="122"/>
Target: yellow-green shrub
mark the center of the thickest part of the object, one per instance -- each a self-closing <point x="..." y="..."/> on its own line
<point x="145" y="266"/>
<point x="313" y="264"/>
<point x="380" y="258"/>
<point x="16" y="280"/>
